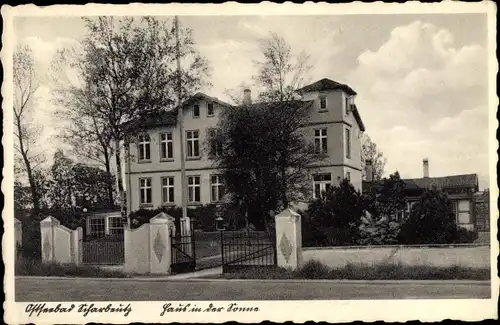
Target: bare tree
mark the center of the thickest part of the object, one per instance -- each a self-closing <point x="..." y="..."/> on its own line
<point x="26" y="131"/>
<point x="370" y="151"/>
<point x="128" y="72"/>
<point x="280" y="72"/>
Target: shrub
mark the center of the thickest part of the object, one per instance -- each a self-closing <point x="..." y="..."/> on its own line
<point x="203" y="216"/>
<point x="312" y="270"/>
<point x="334" y="218"/>
<point x="29" y="267"/>
<point x="464" y="236"/>
<point x="431" y="220"/>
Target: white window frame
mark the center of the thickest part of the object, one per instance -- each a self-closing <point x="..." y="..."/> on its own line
<point x="164" y="145"/>
<point x="144" y="147"/>
<point x="168" y="186"/>
<point x="321" y="98"/>
<point x="192" y="142"/>
<point x="101" y="222"/>
<point x="192" y="187"/>
<point x="114" y="227"/>
<point x="216" y="187"/>
<point x="194" y="110"/>
<point x="323" y="184"/>
<point x="322" y="140"/>
<point x="143" y="189"/>
<point x="348" y="145"/>
<point x="208" y="109"/>
<point x="348" y="176"/>
<point x="468" y="211"/>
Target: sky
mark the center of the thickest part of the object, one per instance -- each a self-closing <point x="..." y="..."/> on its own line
<point x="421" y="80"/>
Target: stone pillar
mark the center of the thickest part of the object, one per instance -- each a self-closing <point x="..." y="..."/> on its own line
<point x="18" y="228"/>
<point x="76" y="239"/>
<point x="47" y="231"/>
<point x="159" y="237"/>
<point x="288" y="239"/>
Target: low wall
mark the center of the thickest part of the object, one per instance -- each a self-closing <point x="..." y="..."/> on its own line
<point x="475" y="256"/>
<point x="59" y="243"/>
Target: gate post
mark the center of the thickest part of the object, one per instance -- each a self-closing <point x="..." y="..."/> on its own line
<point x="77" y="237"/>
<point x="159" y="239"/>
<point x="47" y="226"/>
<point x="288" y="239"/>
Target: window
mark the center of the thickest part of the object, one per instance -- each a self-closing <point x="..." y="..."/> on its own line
<point x="348" y="176"/>
<point x="196" y="110"/>
<point x="167" y="190"/>
<point x="193" y="144"/>
<point x="322" y="103"/>
<point x="348" y="143"/>
<point x="145" y="190"/>
<point x="210" y="109"/>
<point x="166" y="146"/>
<point x="144" y="147"/>
<point x="320" y="141"/>
<point x="217" y="188"/>
<point x="464" y="215"/>
<point x="194" y="189"/>
<point x="215" y="144"/>
<point x="115" y="226"/>
<point x="321" y="182"/>
<point x="97" y="227"/>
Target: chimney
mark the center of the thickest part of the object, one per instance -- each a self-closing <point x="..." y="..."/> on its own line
<point x="369" y="170"/>
<point x="426" y="167"/>
<point x="247" y="96"/>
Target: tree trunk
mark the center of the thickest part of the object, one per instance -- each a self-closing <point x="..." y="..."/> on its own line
<point x="107" y="164"/>
<point x="34" y="192"/>
<point x="123" y="208"/>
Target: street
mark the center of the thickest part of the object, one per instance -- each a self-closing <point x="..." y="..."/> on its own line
<point x="43" y="289"/>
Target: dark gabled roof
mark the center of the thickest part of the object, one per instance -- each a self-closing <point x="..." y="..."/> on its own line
<point x="466" y="180"/>
<point x="446" y="182"/>
<point x="327" y="84"/>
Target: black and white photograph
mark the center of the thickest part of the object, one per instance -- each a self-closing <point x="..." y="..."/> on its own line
<point x="208" y="163"/>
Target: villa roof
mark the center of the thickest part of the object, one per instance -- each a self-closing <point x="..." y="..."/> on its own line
<point x="327" y="84"/>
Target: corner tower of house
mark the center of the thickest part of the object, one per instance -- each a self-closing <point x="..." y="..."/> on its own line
<point x="335" y="125"/>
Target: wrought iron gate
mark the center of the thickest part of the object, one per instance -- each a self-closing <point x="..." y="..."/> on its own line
<point x="183" y="251"/>
<point x="247" y="249"/>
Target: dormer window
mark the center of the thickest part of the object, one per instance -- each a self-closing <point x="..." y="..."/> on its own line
<point x="349" y="101"/>
<point x="322" y="104"/>
<point x="196" y="110"/>
<point x="210" y="109"/>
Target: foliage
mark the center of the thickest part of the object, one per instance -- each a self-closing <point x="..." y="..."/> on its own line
<point x="370" y="151"/>
<point x="431" y="220"/>
<point x="335" y="217"/>
<point x="265" y="152"/>
<point x="203" y="216"/>
<point x="73" y="186"/>
<point x="385" y="204"/>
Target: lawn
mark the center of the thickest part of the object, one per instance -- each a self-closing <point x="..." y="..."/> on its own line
<point x="317" y="270"/>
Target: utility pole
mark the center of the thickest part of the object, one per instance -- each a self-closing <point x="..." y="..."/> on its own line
<point x="181" y="124"/>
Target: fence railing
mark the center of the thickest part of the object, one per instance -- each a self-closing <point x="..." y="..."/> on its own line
<point x="104" y="251"/>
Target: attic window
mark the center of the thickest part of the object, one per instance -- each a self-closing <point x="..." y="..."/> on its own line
<point x="322" y="103"/>
<point x="196" y="110"/>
